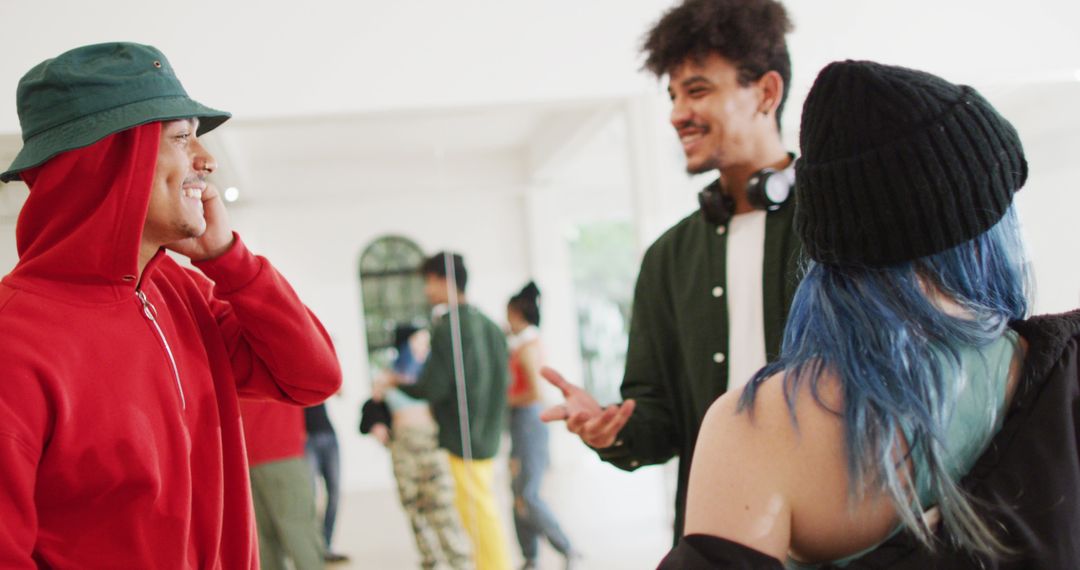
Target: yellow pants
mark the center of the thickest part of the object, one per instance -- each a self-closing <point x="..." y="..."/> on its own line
<point x="475" y="501"/>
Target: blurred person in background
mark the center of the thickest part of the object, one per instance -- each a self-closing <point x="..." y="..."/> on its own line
<point x="324" y="458"/>
<point x="281" y="486"/>
<point x="466" y="370"/>
<point x="406" y="426"/>
<point x="529" y="456"/>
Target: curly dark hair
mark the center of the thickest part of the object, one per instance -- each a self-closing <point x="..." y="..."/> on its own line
<point x="748" y="33"/>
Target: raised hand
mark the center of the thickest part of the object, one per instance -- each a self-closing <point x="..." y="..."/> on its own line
<point x="218" y="236"/>
<point x="596" y="426"/>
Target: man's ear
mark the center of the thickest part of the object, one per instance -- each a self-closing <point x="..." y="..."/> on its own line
<point x="771" y="91"/>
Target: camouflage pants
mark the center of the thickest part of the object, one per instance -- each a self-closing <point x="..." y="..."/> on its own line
<point x="427" y="495"/>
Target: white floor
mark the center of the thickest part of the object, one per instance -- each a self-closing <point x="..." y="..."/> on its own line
<point x="617" y="520"/>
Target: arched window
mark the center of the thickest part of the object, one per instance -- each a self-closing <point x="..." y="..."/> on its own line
<point x="392" y="290"/>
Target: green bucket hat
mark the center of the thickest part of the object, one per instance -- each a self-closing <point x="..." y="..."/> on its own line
<point x="91" y="92"/>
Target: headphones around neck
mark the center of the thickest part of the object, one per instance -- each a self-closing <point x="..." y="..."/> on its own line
<point x="768" y="189"/>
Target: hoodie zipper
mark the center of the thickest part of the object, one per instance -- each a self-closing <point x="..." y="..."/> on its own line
<point x="149" y="311"/>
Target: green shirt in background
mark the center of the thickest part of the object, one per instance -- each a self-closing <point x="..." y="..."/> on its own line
<point x="677" y="327"/>
<point x="487" y="377"/>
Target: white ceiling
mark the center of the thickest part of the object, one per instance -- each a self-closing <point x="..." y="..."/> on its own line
<point x="412" y="85"/>
<point x="331" y="57"/>
<point x="348" y="57"/>
<point x="499" y="147"/>
<point x="453" y="131"/>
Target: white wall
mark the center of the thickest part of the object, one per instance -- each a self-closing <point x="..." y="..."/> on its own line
<point x="12" y="197"/>
<point x="1048" y="119"/>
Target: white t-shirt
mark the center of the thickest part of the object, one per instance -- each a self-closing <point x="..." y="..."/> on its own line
<point x="745" y="302"/>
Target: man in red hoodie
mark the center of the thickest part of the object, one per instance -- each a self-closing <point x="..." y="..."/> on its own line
<point x="121" y="443"/>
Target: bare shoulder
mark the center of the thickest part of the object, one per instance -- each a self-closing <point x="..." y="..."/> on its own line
<point x="740" y="480"/>
<point x="777" y="481"/>
<point x="771" y="424"/>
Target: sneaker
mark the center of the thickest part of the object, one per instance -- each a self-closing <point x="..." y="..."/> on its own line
<point x="333" y="557"/>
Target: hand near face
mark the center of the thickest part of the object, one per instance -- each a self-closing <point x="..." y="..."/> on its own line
<point x="218" y="236"/>
<point x="596" y="426"/>
<point x="184" y="214"/>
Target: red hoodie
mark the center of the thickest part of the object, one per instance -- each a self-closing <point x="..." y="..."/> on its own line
<point x="273" y="431"/>
<point x="121" y="444"/>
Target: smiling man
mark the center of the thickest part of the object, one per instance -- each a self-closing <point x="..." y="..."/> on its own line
<point x="714" y="291"/>
<point x="121" y="443"/>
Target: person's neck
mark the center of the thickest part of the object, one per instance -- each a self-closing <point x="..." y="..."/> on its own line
<point x="770" y="154"/>
<point x="523" y="336"/>
<point x="147" y="251"/>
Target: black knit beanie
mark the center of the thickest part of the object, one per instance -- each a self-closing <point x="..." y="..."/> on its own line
<point x="899" y="164"/>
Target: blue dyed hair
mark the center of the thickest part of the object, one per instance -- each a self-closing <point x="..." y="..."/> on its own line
<point x="877" y="330"/>
<point x="406" y="362"/>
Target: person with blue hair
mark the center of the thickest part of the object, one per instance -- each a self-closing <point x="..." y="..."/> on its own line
<point x="914" y="419"/>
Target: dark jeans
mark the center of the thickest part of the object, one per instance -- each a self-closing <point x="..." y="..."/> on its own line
<point x="528" y="461"/>
<point x="322" y="455"/>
